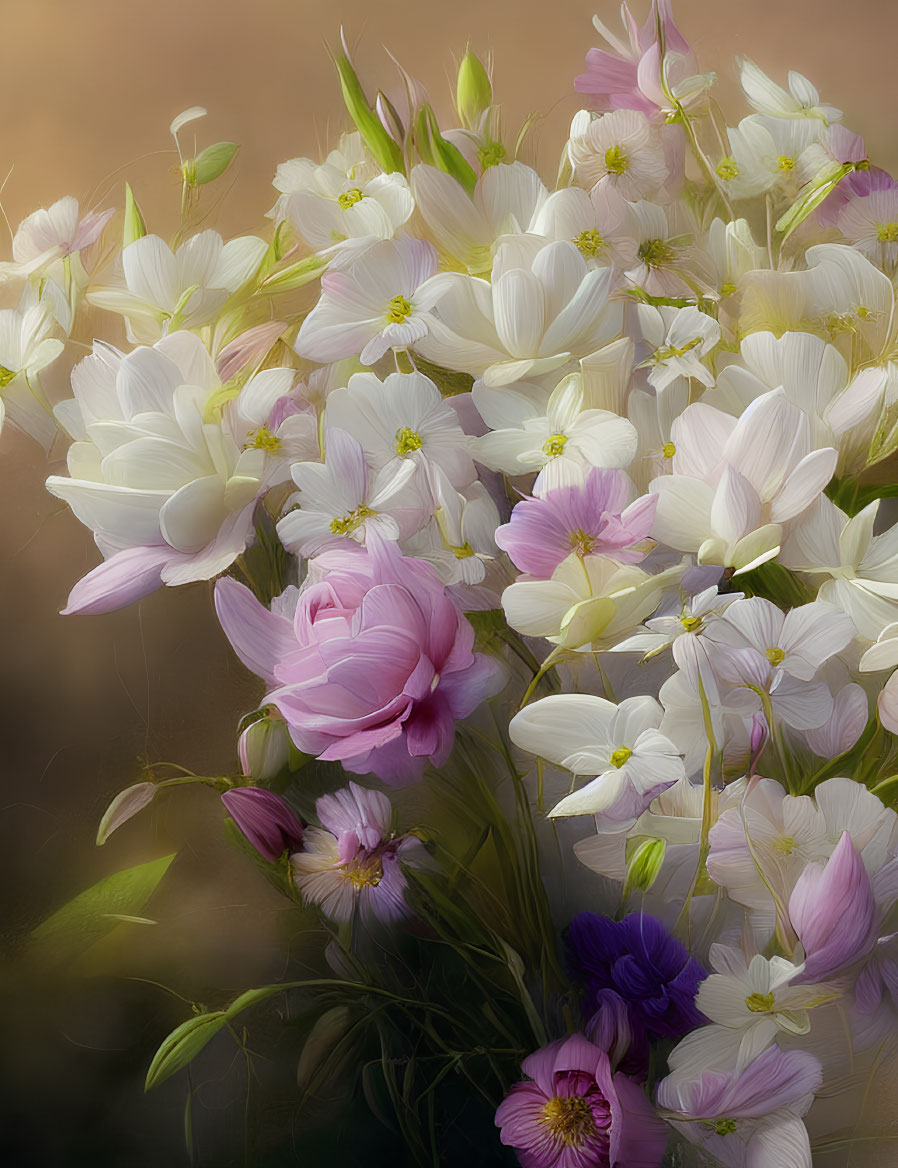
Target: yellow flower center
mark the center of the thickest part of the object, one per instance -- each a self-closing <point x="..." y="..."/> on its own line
<point x="6" y="376"/>
<point x="347" y="524"/>
<point x="581" y="543"/>
<point x="569" y="1120"/>
<point x="620" y="756"/>
<point x="759" y="1003"/>
<point x="727" y="289"/>
<point x="668" y="450"/>
<point x="408" y="440"/>
<point x="554" y="445"/>
<point x="349" y="198"/>
<point x="616" y="160"/>
<point x="399" y="309"/>
<point x="690" y="623"/>
<point x="589" y="242"/>
<point x="655" y="252"/>
<point x="725" y="1127"/>
<point x="727" y="168"/>
<point x="491" y="154"/>
<point x="784" y="162"/>
<point x="775" y="655"/>
<point x="364" y="871"/>
<point x="262" y="439"/>
<point x="785" y="845"/>
<point x="462" y="552"/>
<point x="887" y="232"/>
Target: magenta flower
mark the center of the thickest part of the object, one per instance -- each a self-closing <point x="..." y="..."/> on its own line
<point x="575" y="1113"/>
<point x="268" y="821"/>
<point x="352" y="860"/>
<point x="596" y="517"/>
<point x="832" y="910"/>
<point x="630" y="76"/>
<point x="375" y="666"/>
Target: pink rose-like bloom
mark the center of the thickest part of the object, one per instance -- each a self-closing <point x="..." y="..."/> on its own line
<point x="375" y="666"/>
<point x="576" y="1113"/>
<point x="596" y="517"/>
<point x="353" y="861"/>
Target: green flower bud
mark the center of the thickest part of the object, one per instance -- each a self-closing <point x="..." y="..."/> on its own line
<point x="474" y="93"/>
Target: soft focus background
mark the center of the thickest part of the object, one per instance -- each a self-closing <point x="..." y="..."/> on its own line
<point x="87" y="90"/>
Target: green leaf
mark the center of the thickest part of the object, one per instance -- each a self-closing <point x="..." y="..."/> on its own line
<point x="135" y="226"/>
<point x="328" y="1030"/>
<point x="183" y="1045"/>
<point x="437" y="151"/>
<point x="212" y="162"/>
<point x="811" y="197"/>
<point x="294" y="275"/>
<point x="385" y="151"/>
<point x="96" y="911"/>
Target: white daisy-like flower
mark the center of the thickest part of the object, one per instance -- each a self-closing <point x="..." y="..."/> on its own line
<point x="680" y="337"/>
<point x="26" y="347"/>
<point x="620" y="149"/>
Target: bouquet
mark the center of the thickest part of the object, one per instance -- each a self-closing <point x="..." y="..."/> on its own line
<point x="550" y="514"/>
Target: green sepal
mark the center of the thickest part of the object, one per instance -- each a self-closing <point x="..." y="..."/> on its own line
<point x="436" y="151"/>
<point x="382" y="147"/>
<point x="295" y="275"/>
<point x="811" y="197"/>
<point x="134" y="226"/>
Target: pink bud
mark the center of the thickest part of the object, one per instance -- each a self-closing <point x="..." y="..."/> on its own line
<point x="268" y="821"/>
<point x="249" y="348"/>
<point x="832" y="911"/>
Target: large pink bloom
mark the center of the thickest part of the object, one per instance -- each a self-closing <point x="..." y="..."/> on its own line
<point x="575" y="1113"/>
<point x="375" y="666"/>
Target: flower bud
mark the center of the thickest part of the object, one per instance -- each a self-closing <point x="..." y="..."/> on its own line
<point x="474" y="93"/>
<point x="264" y="748"/>
<point x="268" y="821"/>
<point x="123" y="807"/>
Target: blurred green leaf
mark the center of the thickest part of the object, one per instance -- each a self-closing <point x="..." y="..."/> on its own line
<point x="93" y="913"/>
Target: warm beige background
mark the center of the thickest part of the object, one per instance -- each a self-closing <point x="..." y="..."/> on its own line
<point x="87" y="89"/>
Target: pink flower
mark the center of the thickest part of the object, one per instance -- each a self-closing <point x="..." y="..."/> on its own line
<point x="832" y="910"/>
<point x="575" y="1113"/>
<point x="268" y="821"/>
<point x="374" y="667"/>
<point x="596" y="517"/>
<point x="352" y="860"/>
<point x="630" y="76"/>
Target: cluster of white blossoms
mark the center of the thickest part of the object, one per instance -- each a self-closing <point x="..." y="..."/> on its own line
<point x="646" y="416"/>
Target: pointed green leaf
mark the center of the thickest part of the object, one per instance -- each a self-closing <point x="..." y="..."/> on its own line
<point x="212" y="162"/>
<point x="385" y="151"/>
<point x="811" y="197"/>
<point x="97" y="911"/>
<point x="295" y="275"/>
<point x="135" y="226"/>
<point x="183" y="1045"/>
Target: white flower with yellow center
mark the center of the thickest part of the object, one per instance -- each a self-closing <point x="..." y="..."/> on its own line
<point x="26" y="347"/>
<point x="162" y="291"/>
<point x="561" y="444"/>
<point x="344" y="203"/>
<point x="621" y="150"/>
<point x="619" y="744"/>
<point x="801" y="101"/>
<point x="460" y="539"/>
<point x="681" y="338"/>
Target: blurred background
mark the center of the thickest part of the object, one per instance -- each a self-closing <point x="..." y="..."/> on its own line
<point x="88" y="90"/>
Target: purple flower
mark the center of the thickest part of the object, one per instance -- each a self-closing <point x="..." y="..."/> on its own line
<point x="596" y="517"/>
<point x="643" y="964"/>
<point x="375" y="666"/>
<point x="752" y="1117"/>
<point x="352" y="860"/>
<point x="574" y="1113"/>
<point x="267" y="820"/>
<point x="832" y="910"/>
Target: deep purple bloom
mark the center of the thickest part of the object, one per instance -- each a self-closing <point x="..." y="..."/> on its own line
<point x="575" y="1113"/>
<point x="596" y="517"/>
<point x="268" y="821"/>
<point x="644" y="964"/>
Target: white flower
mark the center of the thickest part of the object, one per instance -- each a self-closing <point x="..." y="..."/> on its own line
<point x="619" y="744"/>
<point x="802" y="100"/>
<point x="766" y="152"/>
<point x="465" y="227"/>
<point x="736" y="483"/>
<point x="561" y="444"/>
<point x="542" y="307"/>
<point x="164" y="463"/>
<point x="862" y="567"/>
<point x="598" y="223"/>
<point x="688" y="616"/>
<point x="164" y="291"/>
<point x="374" y="305"/>
<point x="50" y="234"/>
<point x="748" y="1003"/>
<point x="620" y="149"/>
<point x="680" y="337"/>
<point x="403" y="416"/>
<point x="660" y="253"/>
<point x="25" y="349"/>
<point x="870" y="224"/>
<point x="460" y="539"/>
<point x="344" y="203"/>
<point x="342" y="499"/>
<point x="588" y="600"/>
